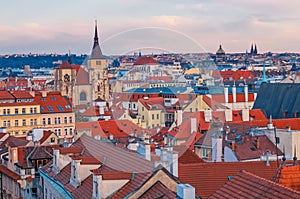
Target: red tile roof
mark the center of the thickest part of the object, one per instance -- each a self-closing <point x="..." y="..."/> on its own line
<point x="159" y="190"/>
<point x="231" y="75"/>
<point x="92" y="111"/>
<point x="252" y="147"/>
<point x="289" y="176"/>
<point x="54" y="102"/>
<point x="9" y="173"/>
<point x="146" y="60"/>
<point x="208" y="177"/>
<point x="85" y="190"/>
<point x="46" y="135"/>
<point x="21" y="94"/>
<point x="248" y="185"/>
<point x="5" y="95"/>
<point x="153" y="103"/>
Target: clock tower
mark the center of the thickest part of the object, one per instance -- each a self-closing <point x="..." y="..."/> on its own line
<point x="98" y="72"/>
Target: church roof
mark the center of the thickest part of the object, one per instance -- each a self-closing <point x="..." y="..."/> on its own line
<point x="96" y="51"/>
<point x="146" y="60"/>
<point x="220" y="51"/>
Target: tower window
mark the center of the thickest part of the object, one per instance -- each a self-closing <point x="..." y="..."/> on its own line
<point x="98" y="63"/>
<point x="82" y="96"/>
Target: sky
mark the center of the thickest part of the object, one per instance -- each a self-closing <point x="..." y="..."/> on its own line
<point x="124" y="26"/>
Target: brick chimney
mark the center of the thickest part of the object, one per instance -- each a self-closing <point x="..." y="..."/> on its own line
<point x="75" y="180"/>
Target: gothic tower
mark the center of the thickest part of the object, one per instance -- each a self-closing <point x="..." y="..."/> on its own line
<point x="98" y="71"/>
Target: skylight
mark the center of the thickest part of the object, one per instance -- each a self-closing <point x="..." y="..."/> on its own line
<point x="60" y="108"/>
<point x="49" y="108"/>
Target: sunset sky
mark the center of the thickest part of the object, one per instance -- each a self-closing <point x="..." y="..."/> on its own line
<point x="55" y="26"/>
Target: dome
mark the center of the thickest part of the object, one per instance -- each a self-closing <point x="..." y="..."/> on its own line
<point x="146" y="60"/>
<point x="220" y="51"/>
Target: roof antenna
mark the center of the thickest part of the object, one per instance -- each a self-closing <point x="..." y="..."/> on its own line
<point x="295" y="157"/>
<point x="283" y="157"/>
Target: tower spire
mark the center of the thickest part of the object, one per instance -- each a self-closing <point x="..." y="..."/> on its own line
<point x="96" y="51"/>
<point x="96" y="40"/>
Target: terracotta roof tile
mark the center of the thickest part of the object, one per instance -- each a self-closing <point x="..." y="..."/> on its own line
<point x="85" y="190"/>
<point x="5" y="95"/>
<point x="21" y="94"/>
<point x="146" y="60"/>
<point x="248" y="185"/>
<point x="159" y="190"/>
<point x="208" y="177"/>
<point x="290" y="176"/>
<point x="8" y="172"/>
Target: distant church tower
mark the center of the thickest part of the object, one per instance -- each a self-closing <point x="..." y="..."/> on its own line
<point x="98" y="72"/>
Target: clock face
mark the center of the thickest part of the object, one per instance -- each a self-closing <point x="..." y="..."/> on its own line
<point x="67" y="78"/>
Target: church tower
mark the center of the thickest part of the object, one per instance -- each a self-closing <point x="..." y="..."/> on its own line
<point x="98" y="71"/>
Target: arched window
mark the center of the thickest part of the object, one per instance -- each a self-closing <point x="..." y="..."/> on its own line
<point x="82" y="96"/>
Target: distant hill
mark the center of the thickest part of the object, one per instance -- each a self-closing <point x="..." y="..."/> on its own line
<point x="37" y="61"/>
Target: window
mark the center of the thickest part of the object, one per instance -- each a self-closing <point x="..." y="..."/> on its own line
<point x="133" y="106"/>
<point x="142" y="108"/>
<point x="16" y="122"/>
<point x="82" y="96"/>
<point x="204" y="153"/>
<point x="152" y="116"/>
<point x="70" y="119"/>
<point x="71" y="131"/>
<point x="50" y="108"/>
<point x="23" y="110"/>
<point x="98" y="63"/>
<point x="52" y="140"/>
<point x="60" y="108"/>
<point x="157" y="116"/>
<point x="31" y="110"/>
<point x="44" y="121"/>
<point x="68" y="106"/>
<point x="191" y="110"/>
<point x="31" y="122"/>
<point x="59" y="132"/>
<point x="8" y="123"/>
<point x="58" y="120"/>
<point x="66" y="131"/>
<point x="55" y="120"/>
<point x="49" y="120"/>
<point x="23" y="122"/>
<point x="34" y="110"/>
<point x="16" y="111"/>
<point x="65" y="120"/>
<point x="8" y="111"/>
<point x="16" y="133"/>
<point x="4" y="111"/>
<point x="4" y="123"/>
<point x="35" y="121"/>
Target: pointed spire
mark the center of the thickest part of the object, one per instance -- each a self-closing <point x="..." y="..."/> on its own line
<point x="255" y="50"/>
<point x="96" y="40"/>
<point x="96" y="51"/>
<point x="295" y="156"/>
<point x="283" y="157"/>
<point x="251" y="50"/>
<point x="70" y="58"/>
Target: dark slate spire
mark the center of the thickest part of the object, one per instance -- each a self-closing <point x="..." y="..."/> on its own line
<point x="96" y="51"/>
<point x="295" y="156"/>
<point x="251" y="50"/>
<point x="255" y="50"/>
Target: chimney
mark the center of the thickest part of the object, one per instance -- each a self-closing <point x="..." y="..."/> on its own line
<point x="13" y="156"/>
<point x="173" y="160"/>
<point x="226" y="94"/>
<point x="246" y="93"/>
<point x="234" y="93"/>
<point x="233" y="145"/>
<point x="207" y="115"/>
<point x="97" y="186"/>
<point x="55" y="166"/>
<point x="245" y="114"/>
<point x="267" y="158"/>
<point x="75" y="169"/>
<point x="270" y="124"/>
<point x="185" y="191"/>
<point x="145" y="150"/>
<point x="228" y="115"/>
<point x="217" y="146"/>
<point x="288" y="128"/>
<point x="44" y="93"/>
<point x="193" y="125"/>
<point x="179" y="117"/>
<point x="101" y="110"/>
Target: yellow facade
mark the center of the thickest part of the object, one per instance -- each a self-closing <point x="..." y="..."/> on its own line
<point x="20" y="118"/>
<point x="196" y="105"/>
<point x="62" y="124"/>
<point x="152" y="118"/>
